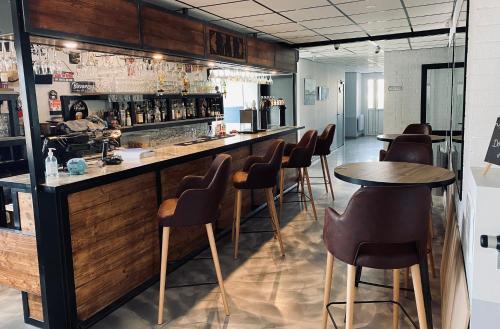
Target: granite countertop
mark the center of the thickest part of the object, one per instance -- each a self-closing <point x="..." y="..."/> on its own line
<point x="162" y="155"/>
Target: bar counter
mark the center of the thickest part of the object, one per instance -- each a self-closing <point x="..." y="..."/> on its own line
<point x="107" y="229"/>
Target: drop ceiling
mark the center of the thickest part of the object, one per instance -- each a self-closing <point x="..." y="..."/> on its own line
<point x="301" y="21"/>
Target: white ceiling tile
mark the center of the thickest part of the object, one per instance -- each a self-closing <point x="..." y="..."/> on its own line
<point x="279" y="28"/>
<point x="314" y="38"/>
<point x="369" y="6"/>
<point x="390" y="30"/>
<point x="261" y="20"/>
<point x="439" y="8"/>
<point x="339" y="29"/>
<point x="270" y="38"/>
<point x="200" y="3"/>
<point x="414" y="3"/>
<point x="425" y="27"/>
<point x="237" y="9"/>
<point x="341" y="36"/>
<point x="431" y="38"/>
<point x="283" y="5"/>
<point x="379" y="25"/>
<point x="295" y="34"/>
<point x="431" y="19"/>
<point x="326" y="22"/>
<point x="379" y="16"/>
<point x="312" y="13"/>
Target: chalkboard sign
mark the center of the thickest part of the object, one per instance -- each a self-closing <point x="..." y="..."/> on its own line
<point x="493" y="154"/>
<point x="82" y="87"/>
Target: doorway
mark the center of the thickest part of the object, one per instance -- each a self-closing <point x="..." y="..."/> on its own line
<point x="374" y="96"/>
<point x="340" y="128"/>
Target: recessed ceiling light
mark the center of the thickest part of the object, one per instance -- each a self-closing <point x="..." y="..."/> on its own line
<point x="157" y="56"/>
<point x="70" y="44"/>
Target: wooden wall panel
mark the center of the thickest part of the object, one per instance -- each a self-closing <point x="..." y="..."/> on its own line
<point x="163" y="30"/>
<point x="113" y="20"/>
<point x="285" y="59"/>
<point x="35" y="307"/>
<point x="19" y="261"/>
<point x="260" y="53"/>
<point x="290" y="174"/>
<point x="26" y="212"/>
<point x="115" y="241"/>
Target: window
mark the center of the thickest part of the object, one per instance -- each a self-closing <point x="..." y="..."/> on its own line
<point x="380" y="94"/>
<point x="371" y="93"/>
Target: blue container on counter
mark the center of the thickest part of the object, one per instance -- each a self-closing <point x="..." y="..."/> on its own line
<point x="76" y="166"/>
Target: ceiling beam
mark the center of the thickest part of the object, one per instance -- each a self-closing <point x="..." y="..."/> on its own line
<point x="378" y="37"/>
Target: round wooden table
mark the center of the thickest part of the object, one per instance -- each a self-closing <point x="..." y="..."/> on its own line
<point x="387" y="173"/>
<point x="391" y="137"/>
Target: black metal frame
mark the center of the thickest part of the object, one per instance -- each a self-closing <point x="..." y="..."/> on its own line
<point x="423" y="90"/>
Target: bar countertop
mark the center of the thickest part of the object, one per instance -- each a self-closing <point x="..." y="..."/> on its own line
<point x="164" y="156"/>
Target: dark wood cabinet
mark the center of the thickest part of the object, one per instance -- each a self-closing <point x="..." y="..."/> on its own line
<point x="170" y="32"/>
<point x="260" y="53"/>
<point x="285" y="59"/>
<point x="114" y="22"/>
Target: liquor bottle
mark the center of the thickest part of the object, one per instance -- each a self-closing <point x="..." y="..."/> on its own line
<point x="123" y="115"/>
<point x="128" y="119"/>
<point x="139" y="115"/>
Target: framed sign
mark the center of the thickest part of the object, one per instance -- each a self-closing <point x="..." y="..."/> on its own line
<point x="82" y="87"/>
<point x="309" y="92"/>
<point x="493" y="153"/>
<point x="225" y="45"/>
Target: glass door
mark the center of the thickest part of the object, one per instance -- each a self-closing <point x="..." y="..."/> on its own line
<point x="375" y="106"/>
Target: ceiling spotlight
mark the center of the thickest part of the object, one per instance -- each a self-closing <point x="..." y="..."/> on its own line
<point x="157" y="56"/>
<point x="336" y="46"/>
<point x="377" y="49"/>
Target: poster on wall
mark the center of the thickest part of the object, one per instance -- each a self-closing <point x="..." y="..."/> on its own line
<point x="309" y="92"/>
<point x="323" y="93"/>
<point x="493" y="153"/>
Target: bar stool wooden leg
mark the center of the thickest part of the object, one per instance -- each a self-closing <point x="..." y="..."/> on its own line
<point x="237" y="222"/>
<point x="328" y="288"/>
<point x="329" y="178"/>
<point x="351" y="295"/>
<point x="395" y="297"/>
<point x="235" y="209"/>
<point x="310" y="193"/>
<point x="282" y="186"/>
<point x="274" y="218"/>
<point x="163" y="273"/>
<point x="407" y="278"/>
<point x="324" y="173"/>
<point x="215" y="257"/>
<point x="419" y="296"/>
<point x="302" y="189"/>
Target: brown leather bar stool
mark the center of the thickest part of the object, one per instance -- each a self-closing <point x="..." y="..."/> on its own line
<point x="299" y="156"/>
<point x="197" y="202"/>
<point x="259" y="173"/>
<point x="322" y="149"/>
<point x="382" y="228"/>
<point x="418" y="128"/>
<point x="414" y="149"/>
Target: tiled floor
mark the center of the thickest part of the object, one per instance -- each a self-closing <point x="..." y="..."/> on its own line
<point x="265" y="290"/>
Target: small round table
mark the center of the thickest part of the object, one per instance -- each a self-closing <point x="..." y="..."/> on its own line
<point x="391" y="137"/>
<point x="387" y="173"/>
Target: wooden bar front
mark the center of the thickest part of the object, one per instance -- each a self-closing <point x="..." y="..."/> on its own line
<point x="114" y="233"/>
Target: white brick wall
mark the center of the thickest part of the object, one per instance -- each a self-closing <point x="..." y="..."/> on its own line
<point x="404" y="68"/>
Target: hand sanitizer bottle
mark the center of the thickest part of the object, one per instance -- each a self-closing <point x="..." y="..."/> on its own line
<point x="51" y="167"/>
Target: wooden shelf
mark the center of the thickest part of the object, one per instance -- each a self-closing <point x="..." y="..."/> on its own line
<point x="158" y="125"/>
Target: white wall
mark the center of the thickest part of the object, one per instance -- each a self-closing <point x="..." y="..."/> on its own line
<point x="323" y="112"/>
<point x="481" y="110"/>
<point x="404" y="68"/>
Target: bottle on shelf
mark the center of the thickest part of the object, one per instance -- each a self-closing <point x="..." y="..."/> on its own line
<point x="123" y="115"/>
<point x="139" y="115"/>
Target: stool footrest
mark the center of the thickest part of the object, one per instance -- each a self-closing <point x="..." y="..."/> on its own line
<point x="191" y="285"/>
<point x="370" y="302"/>
<point x="382" y="285"/>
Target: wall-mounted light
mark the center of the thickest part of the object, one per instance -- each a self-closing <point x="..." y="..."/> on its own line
<point x="70" y="45"/>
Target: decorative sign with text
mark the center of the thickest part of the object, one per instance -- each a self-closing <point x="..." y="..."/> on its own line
<point x="82" y="87"/>
<point x="222" y="44"/>
<point x="493" y="154"/>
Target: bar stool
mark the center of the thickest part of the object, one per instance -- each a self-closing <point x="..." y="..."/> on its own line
<point x="381" y="228"/>
<point x="299" y="157"/>
<point x="259" y="173"/>
<point x="322" y="149"/>
<point x="418" y="128"/>
<point x="415" y="149"/>
<point x="197" y="202"/>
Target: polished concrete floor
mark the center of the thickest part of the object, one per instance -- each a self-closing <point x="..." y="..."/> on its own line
<point x="265" y="290"/>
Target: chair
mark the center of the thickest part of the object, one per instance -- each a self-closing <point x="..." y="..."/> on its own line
<point x="322" y="149"/>
<point x="259" y="173"/>
<point x="299" y="157"/>
<point x="381" y="228"/>
<point x="196" y="202"/>
<point x="414" y="149"/>
<point x="418" y="128"/>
